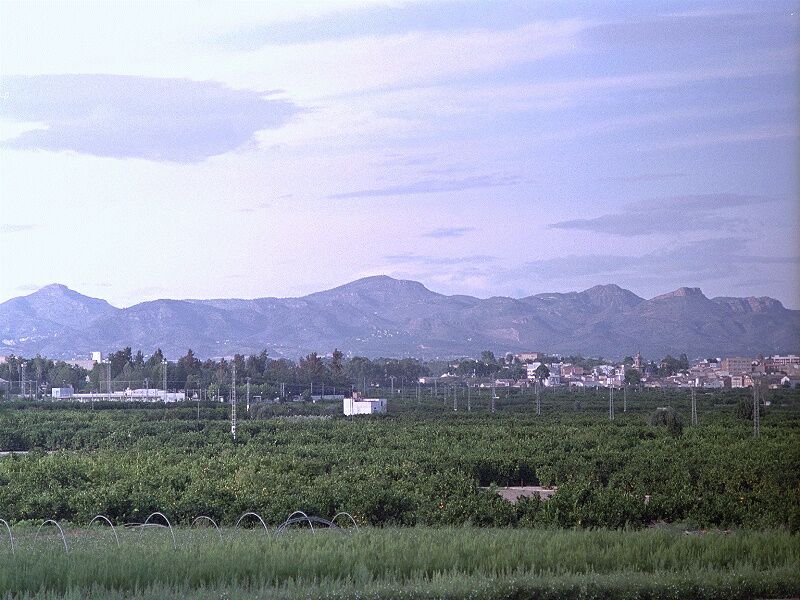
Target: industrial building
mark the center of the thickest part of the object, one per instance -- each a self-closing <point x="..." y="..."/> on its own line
<point x="363" y="406"/>
<point x="128" y="395"/>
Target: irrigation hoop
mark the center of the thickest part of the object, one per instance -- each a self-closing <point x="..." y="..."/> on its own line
<point x="257" y="516"/>
<point x="205" y="518"/>
<point x="61" y="531"/>
<point x="107" y="520"/>
<point x="289" y="520"/>
<point x="10" y="537"/>
<point x="163" y="516"/>
<point x="345" y="514"/>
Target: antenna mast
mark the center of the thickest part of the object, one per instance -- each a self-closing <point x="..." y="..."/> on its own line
<point x="233" y="404"/>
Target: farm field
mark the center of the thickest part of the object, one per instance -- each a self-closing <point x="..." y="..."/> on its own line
<point x="418" y="483"/>
<point x="409" y="562"/>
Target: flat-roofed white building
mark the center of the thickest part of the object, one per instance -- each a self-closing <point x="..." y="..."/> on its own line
<point x="363" y="406"/>
<point x="129" y="395"/>
<point x="62" y="392"/>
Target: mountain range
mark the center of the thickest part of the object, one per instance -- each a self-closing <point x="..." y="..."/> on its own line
<point x="382" y="316"/>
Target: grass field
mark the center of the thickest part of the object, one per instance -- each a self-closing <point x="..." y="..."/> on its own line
<point x="409" y="563"/>
<point x="416" y="482"/>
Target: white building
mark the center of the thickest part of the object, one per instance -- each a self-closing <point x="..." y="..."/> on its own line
<point x="129" y="395"/>
<point x="530" y="369"/>
<point x="363" y="406"/>
<point x="553" y="380"/>
<point x="83" y="364"/>
<point x="62" y="392"/>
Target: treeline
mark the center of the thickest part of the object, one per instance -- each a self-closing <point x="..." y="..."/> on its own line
<point x="213" y="378"/>
<point x="269" y="377"/>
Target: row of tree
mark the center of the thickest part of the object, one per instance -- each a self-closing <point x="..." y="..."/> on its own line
<point x="270" y="376"/>
<point x="266" y="376"/>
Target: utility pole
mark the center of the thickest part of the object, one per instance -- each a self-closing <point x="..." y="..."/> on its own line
<point x="38" y="378"/>
<point x="248" y="396"/>
<point x="756" y="409"/>
<point x="469" y="398"/>
<point x="455" y="399"/>
<point x="233" y="404"/>
<point x="108" y="377"/>
<point x="694" y="406"/>
<point x="146" y="388"/>
<point x="494" y="396"/>
<point x="611" y="403"/>
<point x="391" y="378"/>
<point x="625" y="399"/>
<point x="22" y="379"/>
<point x="538" y="399"/>
<point x="418" y="391"/>
<point x="164" y="364"/>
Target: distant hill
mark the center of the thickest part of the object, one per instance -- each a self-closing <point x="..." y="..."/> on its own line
<point x="381" y="316"/>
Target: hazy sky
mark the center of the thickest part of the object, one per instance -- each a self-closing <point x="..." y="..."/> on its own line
<point x="219" y="150"/>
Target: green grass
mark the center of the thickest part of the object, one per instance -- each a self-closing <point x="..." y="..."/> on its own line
<point x="412" y="562"/>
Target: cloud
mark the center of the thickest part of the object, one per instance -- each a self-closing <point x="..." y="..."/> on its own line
<point x="448" y="232"/>
<point x="722" y="30"/>
<point x="177" y="120"/>
<point x="716" y="263"/>
<point x="28" y="287"/>
<point x="764" y="133"/>
<point x="698" y="260"/>
<point x="12" y="228"/>
<point x="643" y="177"/>
<point x="430" y="186"/>
<point x="705" y="212"/>
<point x="417" y="259"/>
<point x="382" y="19"/>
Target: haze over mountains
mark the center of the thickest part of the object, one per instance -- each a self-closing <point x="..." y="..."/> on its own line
<point x="381" y="316"/>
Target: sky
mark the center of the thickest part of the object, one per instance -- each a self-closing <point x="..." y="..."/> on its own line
<point x="208" y="150"/>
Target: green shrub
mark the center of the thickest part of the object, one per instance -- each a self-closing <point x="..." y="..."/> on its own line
<point x="668" y="417"/>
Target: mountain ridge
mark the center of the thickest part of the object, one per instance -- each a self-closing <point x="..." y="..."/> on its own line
<point x="380" y="315"/>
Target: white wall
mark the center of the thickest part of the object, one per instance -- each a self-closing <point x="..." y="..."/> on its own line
<point x="363" y="407"/>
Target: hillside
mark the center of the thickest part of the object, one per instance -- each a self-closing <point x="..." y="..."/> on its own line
<point x="383" y="316"/>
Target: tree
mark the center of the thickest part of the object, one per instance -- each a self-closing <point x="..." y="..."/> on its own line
<point x="633" y="377"/>
<point x="542" y="372"/>
<point x="668" y="417"/>
<point x="336" y="363"/>
<point x="311" y="368"/>
<point x="744" y="409"/>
